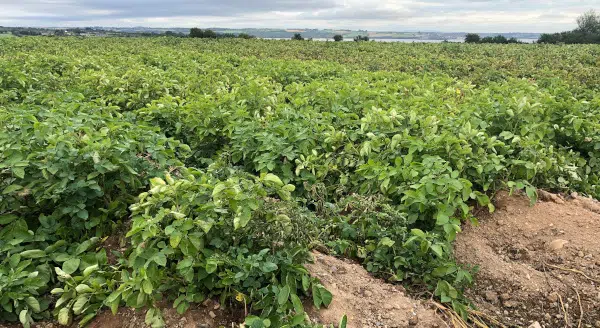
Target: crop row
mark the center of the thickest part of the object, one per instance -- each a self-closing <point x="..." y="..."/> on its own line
<point x="221" y="170"/>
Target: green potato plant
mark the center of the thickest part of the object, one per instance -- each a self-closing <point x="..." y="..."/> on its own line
<point x="224" y="162"/>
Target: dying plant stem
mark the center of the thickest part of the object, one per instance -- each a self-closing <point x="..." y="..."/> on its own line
<point x="562" y="305"/>
<point x="574" y="271"/>
<point x="580" y="309"/>
<point x="476" y="317"/>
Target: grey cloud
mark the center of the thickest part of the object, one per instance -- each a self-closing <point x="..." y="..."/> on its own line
<point x="75" y="10"/>
<point x="160" y="8"/>
<point x="444" y="15"/>
<point x="360" y="14"/>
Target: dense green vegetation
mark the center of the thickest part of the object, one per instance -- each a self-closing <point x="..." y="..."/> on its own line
<point x="587" y="31"/>
<point x="498" y="39"/>
<point x="210" y="34"/>
<point x="223" y="162"/>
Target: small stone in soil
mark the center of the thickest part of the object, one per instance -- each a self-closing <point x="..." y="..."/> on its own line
<point x="212" y="314"/>
<point x="535" y="325"/>
<point x="557" y="244"/>
<point x="553" y="297"/>
<point x="491" y="296"/>
<point x="413" y="321"/>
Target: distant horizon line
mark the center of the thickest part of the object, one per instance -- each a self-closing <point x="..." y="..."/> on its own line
<point x="271" y="28"/>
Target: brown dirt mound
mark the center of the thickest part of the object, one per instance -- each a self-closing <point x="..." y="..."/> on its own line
<point x="539" y="263"/>
<point x="366" y="301"/>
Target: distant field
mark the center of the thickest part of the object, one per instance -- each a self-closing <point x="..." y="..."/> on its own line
<point x="149" y="172"/>
<point x="6" y="35"/>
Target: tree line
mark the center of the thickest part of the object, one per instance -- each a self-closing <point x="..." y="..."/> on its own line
<point x="501" y="39"/>
<point x="336" y="38"/>
<point x="210" y="34"/>
<point x="587" y="31"/>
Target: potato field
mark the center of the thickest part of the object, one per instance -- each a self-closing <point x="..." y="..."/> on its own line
<point x="139" y="172"/>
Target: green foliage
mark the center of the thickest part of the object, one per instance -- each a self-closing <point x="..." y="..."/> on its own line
<point x="338" y="38"/>
<point x="570" y="37"/>
<point x="589" y="22"/>
<point x="33" y="263"/>
<point x="587" y="32"/>
<point x="297" y="37"/>
<point x="227" y="161"/>
<point x="200" y="236"/>
<point x="360" y="38"/>
<point x="472" y="38"/>
<point x="82" y="295"/>
<point x="498" y="39"/>
<point x="245" y="36"/>
<point x="75" y="168"/>
<point x="203" y="34"/>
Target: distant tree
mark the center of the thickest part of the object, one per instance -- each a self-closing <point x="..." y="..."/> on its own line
<point x="298" y="37"/>
<point x="338" y="38"/>
<point x="245" y="36"/>
<point x="196" y="33"/>
<point x="199" y="33"/>
<point x="472" y="38"/>
<point x="360" y="38"/>
<point x="500" y="39"/>
<point x="589" y="22"/>
<point x="548" y="38"/>
<point x="210" y="34"/>
<point x="587" y="32"/>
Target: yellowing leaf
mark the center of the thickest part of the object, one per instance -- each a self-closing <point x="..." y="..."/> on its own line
<point x="273" y="179"/>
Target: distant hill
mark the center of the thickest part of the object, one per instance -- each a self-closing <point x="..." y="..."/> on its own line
<point x="267" y="33"/>
<point x="327" y="33"/>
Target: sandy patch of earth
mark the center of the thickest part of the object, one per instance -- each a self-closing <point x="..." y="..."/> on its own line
<point x="537" y="264"/>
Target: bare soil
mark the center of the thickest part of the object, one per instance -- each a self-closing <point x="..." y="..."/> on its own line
<point x="367" y="301"/>
<point x="206" y="315"/>
<point x="537" y="264"/>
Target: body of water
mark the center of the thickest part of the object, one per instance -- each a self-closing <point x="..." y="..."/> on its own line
<point x="403" y="40"/>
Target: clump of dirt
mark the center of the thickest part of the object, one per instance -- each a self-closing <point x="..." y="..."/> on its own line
<point x="114" y="245"/>
<point x="366" y="301"/>
<point x="206" y="315"/>
<point x="537" y="264"/>
<point x="209" y="314"/>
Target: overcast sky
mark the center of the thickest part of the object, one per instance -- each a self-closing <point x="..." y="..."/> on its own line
<point x="382" y="15"/>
